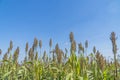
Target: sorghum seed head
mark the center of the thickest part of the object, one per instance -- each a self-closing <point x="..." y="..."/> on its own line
<point x="26" y="48"/>
<point x="73" y="46"/>
<point x="35" y="42"/>
<point x="40" y="43"/>
<point x="11" y="45"/>
<point x="71" y="37"/>
<point x="94" y="49"/>
<point x="113" y="40"/>
<point x="0" y="51"/>
<point x="86" y="44"/>
<point x="80" y="47"/>
<point x="57" y="48"/>
<point x="50" y="43"/>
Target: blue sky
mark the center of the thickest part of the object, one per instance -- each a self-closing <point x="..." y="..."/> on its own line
<point x="92" y="20"/>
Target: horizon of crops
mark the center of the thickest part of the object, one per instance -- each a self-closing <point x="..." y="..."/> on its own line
<point x="57" y="65"/>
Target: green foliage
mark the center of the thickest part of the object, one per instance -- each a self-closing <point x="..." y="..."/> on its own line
<point x="77" y="66"/>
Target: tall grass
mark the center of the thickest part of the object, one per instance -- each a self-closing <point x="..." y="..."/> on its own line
<point x="57" y="65"/>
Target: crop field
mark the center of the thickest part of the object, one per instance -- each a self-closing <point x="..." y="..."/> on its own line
<point x="58" y="65"/>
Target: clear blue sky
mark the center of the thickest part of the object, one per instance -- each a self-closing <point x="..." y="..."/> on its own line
<point x="92" y="20"/>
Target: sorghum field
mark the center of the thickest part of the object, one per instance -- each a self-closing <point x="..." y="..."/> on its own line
<point x="57" y="65"/>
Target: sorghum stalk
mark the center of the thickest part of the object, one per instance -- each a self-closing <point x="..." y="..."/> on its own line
<point x="114" y="46"/>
